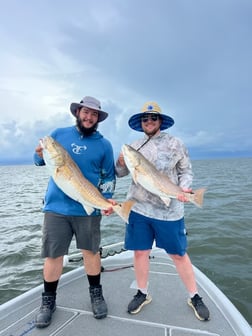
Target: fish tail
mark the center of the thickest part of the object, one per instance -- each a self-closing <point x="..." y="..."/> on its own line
<point x="124" y="209"/>
<point x="198" y="196"/>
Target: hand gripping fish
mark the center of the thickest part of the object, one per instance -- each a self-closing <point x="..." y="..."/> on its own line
<point x="145" y="173"/>
<point x="69" y="178"/>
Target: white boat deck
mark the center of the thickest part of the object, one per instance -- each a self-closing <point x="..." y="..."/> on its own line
<point x="167" y="315"/>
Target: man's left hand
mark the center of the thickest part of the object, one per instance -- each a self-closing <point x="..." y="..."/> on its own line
<point x="110" y="210"/>
<point x="182" y="197"/>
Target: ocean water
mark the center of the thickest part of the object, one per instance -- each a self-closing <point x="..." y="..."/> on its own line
<point x="219" y="235"/>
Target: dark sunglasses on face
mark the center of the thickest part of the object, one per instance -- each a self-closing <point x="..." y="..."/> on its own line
<point x="152" y="117"/>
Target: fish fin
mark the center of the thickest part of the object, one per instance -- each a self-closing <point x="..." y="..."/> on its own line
<point x="197" y="197"/>
<point x="124" y="209"/>
<point x="138" y="171"/>
<point x="166" y="200"/>
<point x="88" y="209"/>
<point x="134" y="176"/>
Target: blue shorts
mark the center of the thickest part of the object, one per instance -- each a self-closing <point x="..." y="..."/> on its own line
<point x="141" y="232"/>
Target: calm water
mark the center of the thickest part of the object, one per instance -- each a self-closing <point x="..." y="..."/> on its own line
<point x="220" y="234"/>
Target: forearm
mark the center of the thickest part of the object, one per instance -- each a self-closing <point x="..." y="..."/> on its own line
<point x="38" y="161"/>
<point x="121" y="170"/>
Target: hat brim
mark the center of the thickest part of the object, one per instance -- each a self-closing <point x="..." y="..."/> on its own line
<point x="102" y="115"/>
<point x="136" y="124"/>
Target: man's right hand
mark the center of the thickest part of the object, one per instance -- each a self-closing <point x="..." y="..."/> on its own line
<point x="39" y="151"/>
<point x="120" y="160"/>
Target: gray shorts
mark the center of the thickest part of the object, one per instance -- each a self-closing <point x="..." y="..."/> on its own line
<point x="58" y="231"/>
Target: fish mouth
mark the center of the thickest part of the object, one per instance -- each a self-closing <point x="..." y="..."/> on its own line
<point x="49" y="146"/>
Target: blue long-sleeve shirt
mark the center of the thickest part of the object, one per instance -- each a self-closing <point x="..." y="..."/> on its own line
<point x="94" y="156"/>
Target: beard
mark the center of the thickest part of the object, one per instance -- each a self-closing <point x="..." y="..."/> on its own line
<point x="84" y="130"/>
<point x="152" y="133"/>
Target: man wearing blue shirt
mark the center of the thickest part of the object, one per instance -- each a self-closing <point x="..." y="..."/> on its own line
<point x="65" y="218"/>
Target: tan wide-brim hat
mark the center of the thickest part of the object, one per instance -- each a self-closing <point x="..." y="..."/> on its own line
<point x="91" y="103"/>
<point x="150" y="107"/>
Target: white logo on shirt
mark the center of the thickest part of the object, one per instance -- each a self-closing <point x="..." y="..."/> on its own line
<point x="78" y="149"/>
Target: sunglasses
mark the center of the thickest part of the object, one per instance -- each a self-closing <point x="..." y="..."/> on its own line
<point x="152" y="117"/>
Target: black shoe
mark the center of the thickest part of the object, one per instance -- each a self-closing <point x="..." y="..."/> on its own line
<point x="200" y="309"/>
<point x="98" y="303"/>
<point x="137" y="303"/>
<point x="48" y="306"/>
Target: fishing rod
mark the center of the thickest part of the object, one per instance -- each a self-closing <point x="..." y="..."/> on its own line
<point x="105" y="251"/>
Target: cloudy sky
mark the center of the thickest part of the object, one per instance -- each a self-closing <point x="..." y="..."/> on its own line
<point x="194" y="57"/>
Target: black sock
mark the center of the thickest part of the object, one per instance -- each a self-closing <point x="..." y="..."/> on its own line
<point x="50" y="287"/>
<point x="94" y="280"/>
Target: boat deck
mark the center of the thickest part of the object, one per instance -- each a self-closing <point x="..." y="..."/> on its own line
<point x="167" y="315"/>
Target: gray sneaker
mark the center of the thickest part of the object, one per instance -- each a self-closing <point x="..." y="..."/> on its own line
<point x="98" y="303"/>
<point x="48" y="306"/>
<point x="200" y="309"/>
<point x="138" y="301"/>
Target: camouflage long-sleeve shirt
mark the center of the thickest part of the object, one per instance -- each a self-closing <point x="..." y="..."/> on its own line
<point x="170" y="156"/>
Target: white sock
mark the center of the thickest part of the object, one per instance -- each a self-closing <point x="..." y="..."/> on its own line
<point x="191" y="295"/>
<point x="144" y="290"/>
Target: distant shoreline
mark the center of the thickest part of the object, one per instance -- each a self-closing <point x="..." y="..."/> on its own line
<point x="238" y="156"/>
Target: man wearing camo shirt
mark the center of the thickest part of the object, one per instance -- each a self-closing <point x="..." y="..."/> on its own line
<point x="150" y="219"/>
